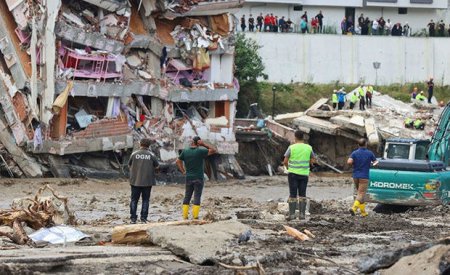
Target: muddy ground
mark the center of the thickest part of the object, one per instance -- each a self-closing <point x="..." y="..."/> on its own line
<point x="255" y="201"/>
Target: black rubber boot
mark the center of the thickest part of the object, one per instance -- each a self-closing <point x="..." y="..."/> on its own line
<point x="292" y="207"/>
<point x="302" y="209"/>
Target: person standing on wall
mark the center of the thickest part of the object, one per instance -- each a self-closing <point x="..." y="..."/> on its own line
<point x="305" y="17"/>
<point x="320" y="17"/>
<point x="361" y="159"/>
<point x="259" y="22"/>
<point x="243" y="24"/>
<point x="142" y="164"/>
<point x="251" y="23"/>
<point x="431" y="28"/>
<point x="297" y="159"/>
<point x="193" y="158"/>
<point x="430" y="85"/>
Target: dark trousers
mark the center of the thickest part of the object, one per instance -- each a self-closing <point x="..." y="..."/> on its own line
<point x="362" y="103"/>
<point x="352" y="105"/>
<point x="251" y="28"/>
<point x="430" y="95"/>
<point x="334" y="106"/>
<point x="369" y="101"/>
<point x="341" y="105"/>
<point x="259" y="27"/>
<point x="193" y="187"/>
<point x="136" y="193"/>
<point x="297" y="185"/>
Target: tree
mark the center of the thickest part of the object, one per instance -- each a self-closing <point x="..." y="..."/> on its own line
<point x="249" y="67"/>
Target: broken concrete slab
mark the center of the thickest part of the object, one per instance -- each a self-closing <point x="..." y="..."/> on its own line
<point x="317" y="105"/>
<point x="281" y="130"/>
<point x="355" y="123"/>
<point x="194" y="242"/>
<point x="387" y="102"/>
<point x="91" y="39"/>
<point x="316" y="124"/>
<point x="82" y="145"/>
<point x="134" y="61"/>
<point x="287" y="118"/>
<point x="111" y="5"/>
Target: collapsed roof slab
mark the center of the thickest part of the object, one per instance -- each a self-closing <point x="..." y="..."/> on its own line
<point x="146" y="42"/>
<point x="83" y="145"/>
<point x="96" y="89"/>
<point x="201" y="95"/>
<point x="91" y="39"/>
<point x="209" y="8"/>
<point x="120" y="6"/>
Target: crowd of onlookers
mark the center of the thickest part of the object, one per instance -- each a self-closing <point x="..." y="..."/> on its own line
<point x="363" y="26"/>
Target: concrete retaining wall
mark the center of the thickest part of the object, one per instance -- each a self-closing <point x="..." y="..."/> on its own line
<point x="349" y="59"/>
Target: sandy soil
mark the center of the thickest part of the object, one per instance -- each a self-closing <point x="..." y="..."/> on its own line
<point x="255" y="201"/>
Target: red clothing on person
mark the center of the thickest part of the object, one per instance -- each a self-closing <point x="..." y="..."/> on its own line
<point x="267" y="20"/>
<point x="272" y="20"/>
<point x="314" y="22"/>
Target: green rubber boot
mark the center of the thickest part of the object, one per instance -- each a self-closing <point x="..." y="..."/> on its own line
<point x="302" y="208"/>
<point x="292" y="202"/>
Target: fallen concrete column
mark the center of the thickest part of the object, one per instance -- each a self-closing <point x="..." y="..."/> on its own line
<point x="287" y="118"/>
<point x="371" y="131"/>
<point x="29" y="166"/>
<point x="317" y="105"/>
<point x="48" y="94"/>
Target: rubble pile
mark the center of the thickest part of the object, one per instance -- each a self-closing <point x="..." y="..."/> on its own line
<point x="106" y="73"/>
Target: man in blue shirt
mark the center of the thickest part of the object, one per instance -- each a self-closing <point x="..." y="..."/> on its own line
<point x="361" y="159"/>
<point x="341" y="98"/>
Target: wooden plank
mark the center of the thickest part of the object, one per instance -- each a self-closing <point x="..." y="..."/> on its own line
<point x="138" y="233"/>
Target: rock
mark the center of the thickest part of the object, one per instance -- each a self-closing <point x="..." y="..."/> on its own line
<point x="426" y="263"/>
<point x="198" y="246"/>
<point x="144" y="75"/>
<point x="134" y="61"/>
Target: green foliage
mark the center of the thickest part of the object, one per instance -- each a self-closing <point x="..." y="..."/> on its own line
<point x="249" y="67"/>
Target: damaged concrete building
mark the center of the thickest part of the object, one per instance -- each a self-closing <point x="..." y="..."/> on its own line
<point x="82" y="81"/>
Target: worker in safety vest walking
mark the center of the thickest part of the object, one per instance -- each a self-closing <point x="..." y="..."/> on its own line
<point x="334" y="99"/>
<point x="362" y="97"/>
<point x="297" y="160"/>
<point x="353" y="100"/>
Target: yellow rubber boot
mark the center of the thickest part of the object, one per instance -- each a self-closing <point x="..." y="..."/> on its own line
<point x="355" y="207"/>
<point x="362" y="208"/>
<point x="185" y="211"/>
<point x="195" y="211"/>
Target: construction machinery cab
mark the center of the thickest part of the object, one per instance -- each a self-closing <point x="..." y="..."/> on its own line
<point x="406" y="149"/>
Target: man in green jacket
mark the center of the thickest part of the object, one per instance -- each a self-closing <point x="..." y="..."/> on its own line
<point x="194" y="163"/>
<point x="297" y="159"/>
<point x="334" y="100"/>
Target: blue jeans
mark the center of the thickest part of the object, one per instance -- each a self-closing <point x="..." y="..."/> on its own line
<point x="136" y="192"/>
<point x="193" y="187"/>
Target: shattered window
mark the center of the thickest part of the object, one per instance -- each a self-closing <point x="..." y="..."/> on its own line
<point x="421" y="151"/>
<point x="398" y="151"/>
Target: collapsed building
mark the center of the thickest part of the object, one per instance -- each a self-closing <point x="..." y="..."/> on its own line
<point x="82" y="81"/>
<point x="332" y="133"/>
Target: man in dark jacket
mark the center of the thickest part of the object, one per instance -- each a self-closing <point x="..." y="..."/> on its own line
<point x="143" y="165"/>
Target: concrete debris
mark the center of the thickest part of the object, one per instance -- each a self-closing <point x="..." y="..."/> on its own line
<point x="198" y="248"/>
<point x="132" y="74"/>
<point x="330" y="131"/>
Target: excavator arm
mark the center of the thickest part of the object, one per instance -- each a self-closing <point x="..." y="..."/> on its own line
<point x="439" y="148"/>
